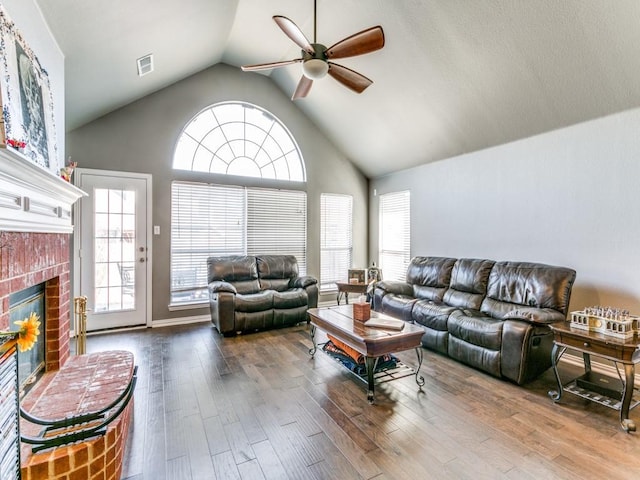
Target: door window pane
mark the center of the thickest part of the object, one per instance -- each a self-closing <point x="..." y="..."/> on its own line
<point x="114" y="255"/>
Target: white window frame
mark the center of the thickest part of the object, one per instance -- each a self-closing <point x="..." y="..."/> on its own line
<point x="394" y="246"/>
<point x="239" y="138"/>
<point x="336" y="239"/>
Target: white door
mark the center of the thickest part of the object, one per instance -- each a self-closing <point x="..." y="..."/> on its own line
<point x="112" y="255"/>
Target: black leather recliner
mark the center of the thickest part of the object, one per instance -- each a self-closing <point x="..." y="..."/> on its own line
<point x="250" y="293"/>
<point x="491" y="315"/>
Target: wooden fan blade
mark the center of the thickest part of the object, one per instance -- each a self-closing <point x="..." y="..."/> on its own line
<point x="366" y="41"/>
<point x="267" y="66"/>
<point x="349" y="78"/>
<point x="292" y="31"/>
<point x="304" y="85"/>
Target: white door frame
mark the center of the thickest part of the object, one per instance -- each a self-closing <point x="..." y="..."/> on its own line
<point x="77" y="209"/>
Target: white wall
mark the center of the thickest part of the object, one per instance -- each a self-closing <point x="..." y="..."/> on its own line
<point x="570" y="197"/>
<point x="28" y="19"/>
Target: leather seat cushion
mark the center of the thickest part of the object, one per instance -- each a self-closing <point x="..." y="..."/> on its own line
<point x="431" y="314"/>
<point x="255" y="302"/>
<point x="276" y="272"/>
<point x="430" y="276"/>
<point x="296" y="297"/>
<point x="398" y="306"/>
<point x="514" y="284"/>
<point x="477" y="329"/>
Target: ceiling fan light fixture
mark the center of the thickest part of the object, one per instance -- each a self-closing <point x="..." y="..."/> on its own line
<point x="315" y="68"/>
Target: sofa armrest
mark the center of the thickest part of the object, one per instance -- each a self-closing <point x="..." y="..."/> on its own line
<point x="220" y="286"/>
<point x="304" y="282"/>
<point x="394" y="286"/>
<point x="542" y="316"/>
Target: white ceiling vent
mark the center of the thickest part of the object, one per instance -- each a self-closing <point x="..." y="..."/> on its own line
<point x="145" y="65"/>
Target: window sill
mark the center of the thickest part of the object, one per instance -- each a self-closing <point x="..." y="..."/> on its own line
<point x="175" y="307"/>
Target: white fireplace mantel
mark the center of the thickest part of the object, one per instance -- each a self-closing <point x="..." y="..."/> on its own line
<point x="33" y="199"/>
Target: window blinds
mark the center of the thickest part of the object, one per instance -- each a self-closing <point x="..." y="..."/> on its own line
<point x="277" y="224"/>
<point x="395" y="234"/>
<point x="209" y="220"/>
<point x="336" y="239"/>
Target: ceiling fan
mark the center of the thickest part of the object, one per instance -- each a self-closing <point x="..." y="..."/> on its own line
<point x="316" y="57"/>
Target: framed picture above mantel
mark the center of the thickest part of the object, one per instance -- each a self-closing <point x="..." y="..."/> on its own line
<point x="28" y="123"/>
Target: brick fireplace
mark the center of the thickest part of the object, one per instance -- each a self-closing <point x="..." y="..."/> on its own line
<point x="35" y="242"/>
<point x="28" y="259"/>
<point x="35" y="235"/>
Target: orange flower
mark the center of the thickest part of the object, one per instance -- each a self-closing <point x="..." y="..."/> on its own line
<point x="28" y="333"/>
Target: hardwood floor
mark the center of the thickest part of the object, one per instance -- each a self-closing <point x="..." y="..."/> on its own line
<point x="258" y="407"/>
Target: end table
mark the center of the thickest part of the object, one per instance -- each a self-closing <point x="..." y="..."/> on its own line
<point x="345" y="288"/>
<point x="616" y="393"/>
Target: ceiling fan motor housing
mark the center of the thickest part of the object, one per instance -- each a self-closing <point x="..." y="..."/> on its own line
<point x="315" y="66"/>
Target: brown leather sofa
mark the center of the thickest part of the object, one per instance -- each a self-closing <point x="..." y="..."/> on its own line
<point x="490" y="315"/>
<point x="249" y="293"/>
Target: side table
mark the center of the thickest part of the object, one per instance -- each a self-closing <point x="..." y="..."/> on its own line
<point x="615" y="393"/>
<point x="345" y="288"/>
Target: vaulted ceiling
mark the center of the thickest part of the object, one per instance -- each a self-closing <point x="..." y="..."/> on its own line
<point x="455" y="76"/>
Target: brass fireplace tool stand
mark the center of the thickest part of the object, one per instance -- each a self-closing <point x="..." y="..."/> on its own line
<point x="80" y="325"/>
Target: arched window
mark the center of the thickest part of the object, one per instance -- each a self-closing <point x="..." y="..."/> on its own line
<point x="238" y="138"/>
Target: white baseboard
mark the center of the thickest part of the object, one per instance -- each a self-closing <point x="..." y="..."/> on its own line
<point x="168" y="322"/>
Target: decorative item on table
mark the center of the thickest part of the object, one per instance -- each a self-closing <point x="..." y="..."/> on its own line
<point x="374" y="274"/>
<point x="356" y="276"/>
<point x="16" y="143"/>
<point x="361" y="309"/>
<point x="611" y="321"/>
<point x="385" y="323"/>
<point x="66" y="172"/>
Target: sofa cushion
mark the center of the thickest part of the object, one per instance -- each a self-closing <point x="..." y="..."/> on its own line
<point x="475" y="328"/>
<point x="430" y="314"/>
<point x="514" y="284"/>
<point x="468" y="285"/>
<point x="239" y="270"/>
<point x="276" y="272"/>
<point x="398" y="306"/>
<point x="430" y="276"/>
<point x="296" y="297"/>
<point x="254" y="302"/>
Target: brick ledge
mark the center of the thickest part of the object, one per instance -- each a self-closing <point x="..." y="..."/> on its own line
<point x="85" y="384"/>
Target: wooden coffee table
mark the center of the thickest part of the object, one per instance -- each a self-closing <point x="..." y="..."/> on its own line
<point x="370" y="342"/>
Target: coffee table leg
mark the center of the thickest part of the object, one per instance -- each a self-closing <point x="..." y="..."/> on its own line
<point x="371" y="366"/>
<point x="419" y="378"/>
<point x="312" y="350"/>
